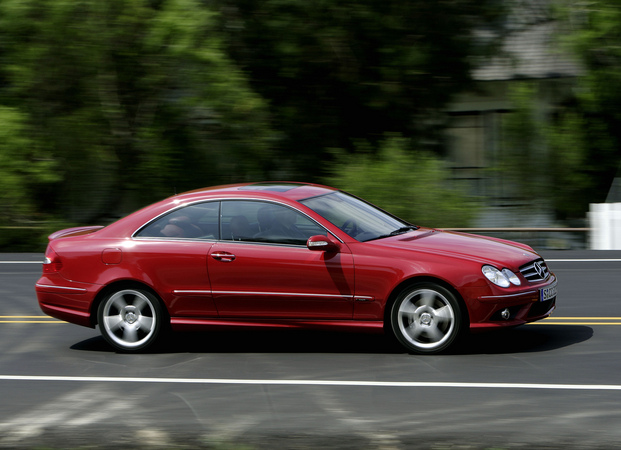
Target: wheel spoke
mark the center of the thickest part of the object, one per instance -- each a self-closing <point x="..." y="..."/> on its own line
<point x="145" y="323"/>
<point x="434" y="333"/>
<point x="415" y="331"/>
<point x="119" y="302"/>
<point x="444" y="314"/>
<point x="113" y="322"/>
<point x="408" y="308"/>
<point x="130" y="334"/>
<point x="428" y="298"/>
<point x="139" y="303"/>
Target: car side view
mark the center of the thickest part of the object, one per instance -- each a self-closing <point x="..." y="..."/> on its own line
<point x="287" y="255"/>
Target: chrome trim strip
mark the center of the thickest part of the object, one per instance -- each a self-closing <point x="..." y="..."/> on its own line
<point x="508" y="295"/>
<point x="283" y="294"/>
<point x="190" y="291"/>
<point x="60" y="287"/>
<point x="176" y="239"/>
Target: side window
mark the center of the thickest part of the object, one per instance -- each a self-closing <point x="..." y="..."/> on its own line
<point x="194" y="221"/>
<point x="265" y="222"/>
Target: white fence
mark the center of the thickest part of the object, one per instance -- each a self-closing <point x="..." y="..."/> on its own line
<point x="605" y="224"/>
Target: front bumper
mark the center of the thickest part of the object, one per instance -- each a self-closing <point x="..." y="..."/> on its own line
<point x="498" y="309"/>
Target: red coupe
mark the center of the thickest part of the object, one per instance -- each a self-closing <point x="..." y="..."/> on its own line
<point x="287" y="255"/>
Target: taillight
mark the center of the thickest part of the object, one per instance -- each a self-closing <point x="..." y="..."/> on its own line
<point x="51" y="263"/>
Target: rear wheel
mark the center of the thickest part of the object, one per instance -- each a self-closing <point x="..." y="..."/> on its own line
<point x="130" y="319"/>
<point x="426" y="318"/>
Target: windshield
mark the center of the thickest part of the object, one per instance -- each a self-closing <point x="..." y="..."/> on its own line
<point x="358" y="219"/>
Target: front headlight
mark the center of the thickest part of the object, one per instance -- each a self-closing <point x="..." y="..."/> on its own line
<point x="511" y="277"/>
<point x="504" y="278"/>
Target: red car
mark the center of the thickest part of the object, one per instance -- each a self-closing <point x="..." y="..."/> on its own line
<point x="287" y="255"/>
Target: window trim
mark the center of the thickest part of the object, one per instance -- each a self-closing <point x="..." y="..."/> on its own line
<point x="219" y="238"/>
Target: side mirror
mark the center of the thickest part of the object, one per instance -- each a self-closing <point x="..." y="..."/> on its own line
<point x="322" y="243"/>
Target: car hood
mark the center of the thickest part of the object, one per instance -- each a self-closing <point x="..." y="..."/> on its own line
<point x="470" y="247"/>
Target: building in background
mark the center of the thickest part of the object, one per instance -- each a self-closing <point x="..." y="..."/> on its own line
<point x="529" y="51"/>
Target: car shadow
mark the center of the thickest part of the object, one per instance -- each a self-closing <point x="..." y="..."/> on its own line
<point x="526" y="339"/>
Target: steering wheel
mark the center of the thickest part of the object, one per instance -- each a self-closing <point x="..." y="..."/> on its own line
<point x="350" y="227"/>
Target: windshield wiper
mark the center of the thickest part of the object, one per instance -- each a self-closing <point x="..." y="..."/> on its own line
<point x="397" y="232"/>
<point x="404" y="230"/>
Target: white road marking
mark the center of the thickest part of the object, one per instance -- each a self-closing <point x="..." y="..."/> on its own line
<point x="21" y="262"/>
<point x="583" y="260"/>
<point x="352" y="383"/>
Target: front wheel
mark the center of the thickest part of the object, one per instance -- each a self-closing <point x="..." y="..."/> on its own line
<point x="130" y="319"/>
<point x="426" y="318"/>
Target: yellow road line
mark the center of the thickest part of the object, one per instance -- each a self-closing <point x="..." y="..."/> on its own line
<point x="573" y="323"/>
<point x="33" y="321"/>
<point x="26" y="317"/>
<point x="29" y="319"/>
<point x="579" y="321"/>
<point x="582" y="318"/>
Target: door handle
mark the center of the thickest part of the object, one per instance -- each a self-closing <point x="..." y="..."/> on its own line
<point x="223" y="256"/>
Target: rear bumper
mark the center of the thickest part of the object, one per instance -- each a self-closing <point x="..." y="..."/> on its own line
<point x="66" y="300"/>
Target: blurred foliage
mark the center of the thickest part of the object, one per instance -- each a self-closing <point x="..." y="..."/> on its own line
<point x="29" y="237"/>
<point x="548" y="161"/>
<point x="337" y="71"/>
<point x="569" y="160"/>
<point x="522" y="160"/>
<point x="23" y="164"/>
<point x="108" y="105"/>
<point x="134" y="99"/>
<point x="564" y="163"/>
<point x="410" y="184"/>
<point x="586" y="138"/>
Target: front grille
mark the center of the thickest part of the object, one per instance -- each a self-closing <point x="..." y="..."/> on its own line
<point x="535" y="271"/>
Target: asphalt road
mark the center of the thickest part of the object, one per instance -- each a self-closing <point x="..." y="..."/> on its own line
<point x="556" y="384"/>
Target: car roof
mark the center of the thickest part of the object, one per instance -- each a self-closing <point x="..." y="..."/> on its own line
<point x="285" y="189"/>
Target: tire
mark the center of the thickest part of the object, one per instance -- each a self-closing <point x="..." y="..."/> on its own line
<point x="426" y="318"/>
<point x="130" y="319"/>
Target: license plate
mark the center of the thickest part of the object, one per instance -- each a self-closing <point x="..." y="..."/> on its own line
<point x="547" y="293"/>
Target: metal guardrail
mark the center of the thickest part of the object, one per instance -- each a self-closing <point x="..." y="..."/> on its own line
<point x="516" y="229"/>
<point x="29" y="227"/>
<point x="553" y="238"/>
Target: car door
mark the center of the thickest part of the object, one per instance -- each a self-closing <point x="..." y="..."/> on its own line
<point x="172" y="253"/>
<point x="261" y="267"/>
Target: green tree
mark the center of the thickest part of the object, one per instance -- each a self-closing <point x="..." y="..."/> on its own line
<point x="410" y="184"/>
<point x="22" y="165"/>
<point x="339" y="71"/>
<point x="586" y="139"/>
<point x="524" y="160"/>
<point x="133" y="98"/>
<point x="549" y="162"/>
